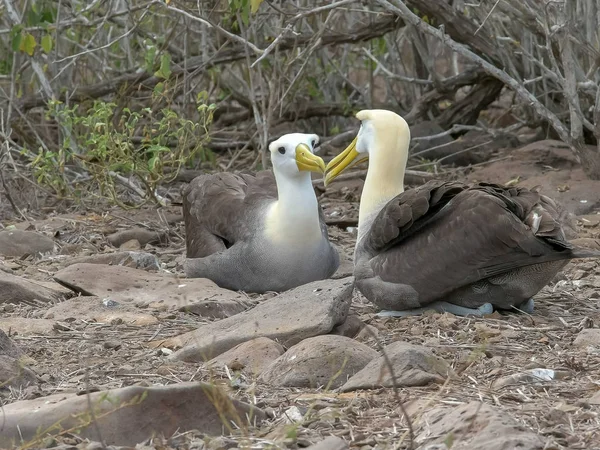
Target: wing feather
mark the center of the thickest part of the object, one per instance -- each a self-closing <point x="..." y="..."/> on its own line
<point x="222" y="208"/>
<point x="444" y="235"/>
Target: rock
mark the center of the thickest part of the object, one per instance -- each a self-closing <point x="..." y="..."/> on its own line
<point x="350" y="328"/>
<point x="133" y="244"/>
<point x="15" y="289"/>
<point x="531" y="376"/>
<point x="95" y="309"/>
<point x="413" y="366"/>
<point x="8" y="347"/>
<point x="142" y="235"/>
<point x="306" y="311"/>
<point x="13" y="372"/>
<point x="253" y="356"/>
<point x="25" y="326"/>
<point x="293" y="415"/>
<point x="124" y="284"/>
<point x="475" y="426"/>
<point x="221" y="443"/>
<point x="126" y="416"/>
<point x="135" y="260"/>
<point x="329" y="443"/>
<point x="367" y="333"/>
<point x="588" y="338"/>
<point x="319" y="361"/>
<point x="18" y="243"/>
<point x="589" y="220"/>
<point x="592" y="244"/>
<point x="113" y="344"/>
<point x="217" y="309"/>
<point x="594" y="399"/>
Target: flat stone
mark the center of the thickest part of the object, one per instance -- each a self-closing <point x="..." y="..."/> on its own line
<point x="26" y="326"/>
<point x="13" y="372"/>
<point x="589" y="243"/>
<point x="531" y="376"/>
<point x="124" y="284"/>
<point x="475" y="426"/>
<point x="99" y="310"/>
<point x="253" y="356"/>
<point x="217" y="309"/>
<point x="127" y="416"/>
<point x="142" y="235"/>
<point x="329" y="443"/>
<point x="8" y="347"/>
<point x="588" y="338"/>
<point x="412" y="365"/>
<point x="594" y="399"/>
<point x="14" y="289"/>
<point x="18" y="243"/>
<point x="589" y="220"/>
<point x="327" y="360"/>
<point x="306" y="311"/>
<point x="133" y="245"/>
<point x="135" y="260"/>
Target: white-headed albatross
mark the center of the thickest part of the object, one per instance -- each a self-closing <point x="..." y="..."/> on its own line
<point x="263" y="232"/>
<point x="446" y="246"/>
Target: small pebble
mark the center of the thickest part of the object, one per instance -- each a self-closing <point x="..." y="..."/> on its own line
<point x="112" y="344"/>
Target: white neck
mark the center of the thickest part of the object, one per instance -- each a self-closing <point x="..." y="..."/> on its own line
<point x="385" y="180"/>
<point x="294" y="217"/>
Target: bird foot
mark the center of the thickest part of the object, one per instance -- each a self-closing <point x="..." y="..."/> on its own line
<point x="527" y="306"/>
<point x="441" y="307"/>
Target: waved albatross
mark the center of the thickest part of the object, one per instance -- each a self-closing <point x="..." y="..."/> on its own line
<point x="264" y="232"/>
<point x="446" y="246"/>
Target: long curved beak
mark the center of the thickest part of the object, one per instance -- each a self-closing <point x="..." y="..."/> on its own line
<point x="348" y="158"/>
<point x="306" y="160"/>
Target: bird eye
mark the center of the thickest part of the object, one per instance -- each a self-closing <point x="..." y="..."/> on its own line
<point x="313" y="143"/>
<point x="281" y="150"/>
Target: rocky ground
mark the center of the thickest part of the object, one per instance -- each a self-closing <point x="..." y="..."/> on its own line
<point x="104" y="342"/>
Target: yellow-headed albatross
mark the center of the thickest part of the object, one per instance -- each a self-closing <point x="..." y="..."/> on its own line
<point x="256" y="233"/>
<point x="446" y="246"/>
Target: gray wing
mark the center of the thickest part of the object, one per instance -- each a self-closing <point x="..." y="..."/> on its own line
<point x="441" y="236"/>
<point x="223" y="208"/>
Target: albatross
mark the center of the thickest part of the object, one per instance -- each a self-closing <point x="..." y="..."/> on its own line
<point x="446" y="246"/>
<point x="260" y="233"/>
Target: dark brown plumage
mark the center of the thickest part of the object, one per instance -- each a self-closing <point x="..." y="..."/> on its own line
<point x="465" y="245"/>
<point x="212" y="205"/>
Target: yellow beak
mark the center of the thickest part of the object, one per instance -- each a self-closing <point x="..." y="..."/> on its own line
<point x="306" y="160"/>
<point x="348" y="158"/>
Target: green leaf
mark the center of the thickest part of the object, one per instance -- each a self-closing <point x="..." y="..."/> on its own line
<point x="165" y="66"/>
<point x="254" y="5"/>
<point x="449" y="440"/>
<point x="159" y="88"/>
<point x="149" y="58"/>
<point x="48" y="14"/>
<point x="28" y="44"/>
<point x="16" y="42"/>
<point x="152" y="162"/>
<point x="16" y="36"/>
<point x="32" y="18"/>
<point x="47" y="43"/>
